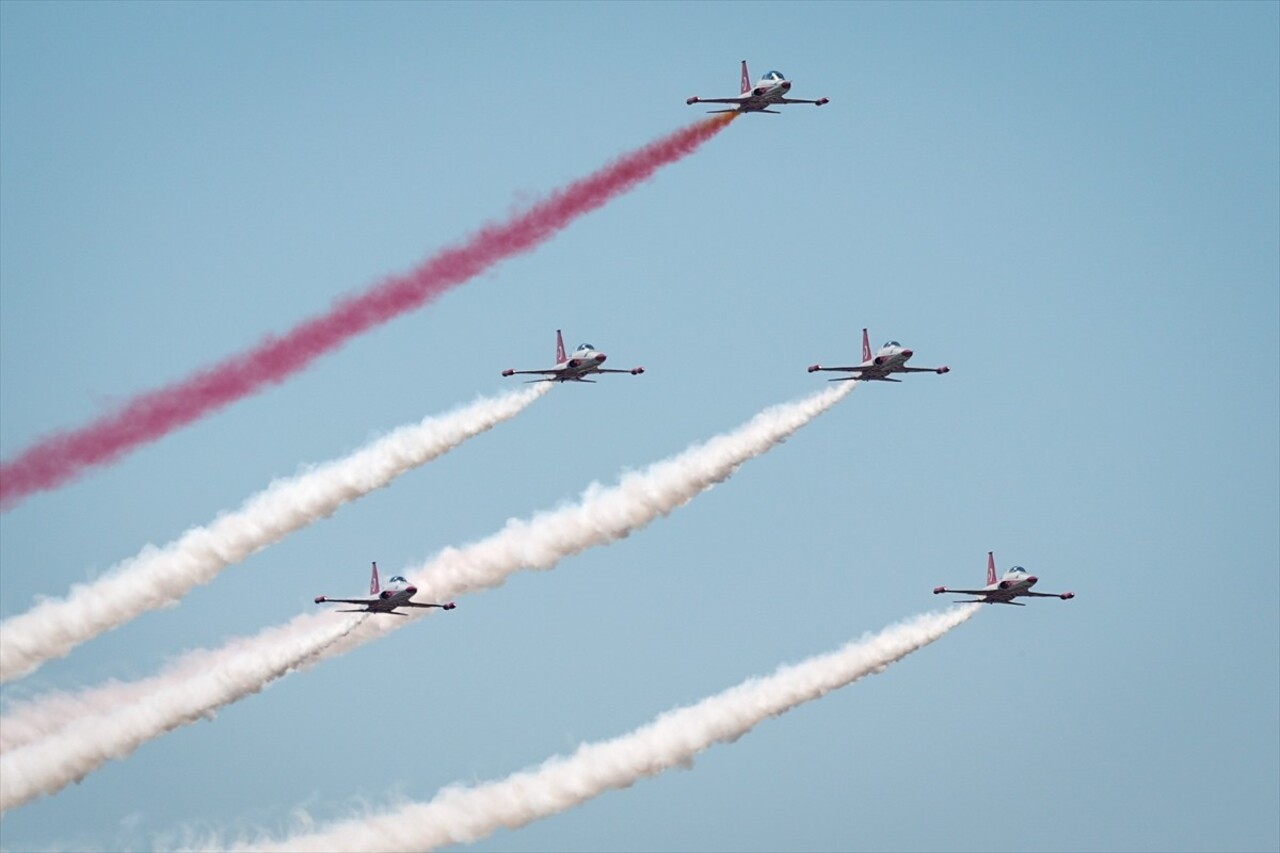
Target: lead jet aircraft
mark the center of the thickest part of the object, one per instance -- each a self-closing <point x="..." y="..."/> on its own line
<point x="769" y="90"/>
<point x="584" y="361"/>
<point x="890" y="358"/>
<point x="1015" y="583"/>
<point x="386" y="599"/>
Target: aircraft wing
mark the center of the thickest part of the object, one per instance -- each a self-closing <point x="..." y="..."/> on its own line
<point x="819" y="102"/>
<point x="1043" y="594"/>
<point x="967" y="591"/>
<point x="324" y="599"/>
<point x="448" y="606"/>
<point x="552" y="375"/>
<point x="550" y="372"/>
<point x="736" y="100"/>
<point x="862" y="371"/>
<point x="917" y="370"/>
<point x="987" y="601"/>
<point x="610" y="370"/>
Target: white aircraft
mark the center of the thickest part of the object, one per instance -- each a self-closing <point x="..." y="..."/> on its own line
<point x="585" y="360"/>
<point x="1016" y="582"/>
<point x="891" y="358"/>
<point x="769" y="90"/>
<point x="385" y="599"/>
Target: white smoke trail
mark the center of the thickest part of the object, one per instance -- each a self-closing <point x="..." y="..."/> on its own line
<point x="48" y="765"/>
<point x="158" y="577"/>
<point x="603" y="515"/>
<point x="26" y="721"/>
<point x="460" y="815"/>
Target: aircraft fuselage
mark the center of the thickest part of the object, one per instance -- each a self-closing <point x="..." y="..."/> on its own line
<point x="1010" y="588"/>
<point x="390" y="599"/>
<point x="579" y="364"/>
<point x="886" y="361"/>
<point x="765" y="94"/>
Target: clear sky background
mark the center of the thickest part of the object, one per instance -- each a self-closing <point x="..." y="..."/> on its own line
<point x="1075" y="206"/>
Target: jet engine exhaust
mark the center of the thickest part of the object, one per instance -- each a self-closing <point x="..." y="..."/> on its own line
<point x="603" y="515"/>
<point x="45" y="767"/>
<point x="61" y="456"/>
<point x="462" y="814"/>
<point x="159" y="577"/>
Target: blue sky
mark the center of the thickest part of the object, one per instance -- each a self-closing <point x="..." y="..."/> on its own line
<point x="1075" y="206"/>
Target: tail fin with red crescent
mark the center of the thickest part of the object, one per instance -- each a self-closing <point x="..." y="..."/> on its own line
<point x="991" y="568"/>
<point x="866" y="346"/>
<point x="374" y="585"/>
<point x="561" y="358"/>
<point x="746" y="78"/>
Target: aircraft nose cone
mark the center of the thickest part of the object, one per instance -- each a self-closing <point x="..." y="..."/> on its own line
<point x="413" y="590"/>
<point x="1031" y="581"/>
<point x="906" y="353"/>
<point x="786" y="84"/>
<point x="600" y="357"/>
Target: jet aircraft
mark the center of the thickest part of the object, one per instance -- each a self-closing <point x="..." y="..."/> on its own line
<point x="890" y="358"/>
<point x="386" y="599"/>
<point x="769" y="90"/>
<point x="1015" y="583"/>
<point x="584" y="361"/>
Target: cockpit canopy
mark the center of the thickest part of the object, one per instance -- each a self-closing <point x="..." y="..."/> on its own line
<point x="773" y="76"/>
<point x="585" y="347"/>
<point x="893" y="344"/>
<point x="1017" y="570"/>
<point x="398" y="579"/>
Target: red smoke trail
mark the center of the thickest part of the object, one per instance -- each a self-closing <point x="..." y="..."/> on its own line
<point x="61" y="456"/>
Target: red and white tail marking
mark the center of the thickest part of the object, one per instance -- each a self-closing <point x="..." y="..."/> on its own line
<point x="374" y="585"/>
<point x="866" y="346"/>
<point x="746" y="79"/>
<point x="991" y="568"/>
<point x="561" y="358"/>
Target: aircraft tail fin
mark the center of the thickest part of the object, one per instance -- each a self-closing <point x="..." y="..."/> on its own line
<point x="991" y="568"/>
<point x="866" y="347"/>
<point x="374" y="584"/>
<point x="560" y="354"/>
<point x="746" y="78"/>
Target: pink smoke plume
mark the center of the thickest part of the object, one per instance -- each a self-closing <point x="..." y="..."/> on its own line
<point x="62" y="456"/>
